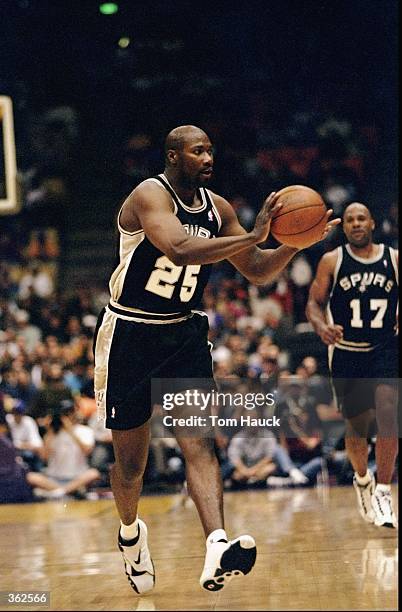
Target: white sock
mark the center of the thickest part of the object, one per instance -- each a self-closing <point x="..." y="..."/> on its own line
<point x="383" y="488"/>
<point x="215" y="536"/>
<point x="363" y="480"/>
<point x="128" y="532"/>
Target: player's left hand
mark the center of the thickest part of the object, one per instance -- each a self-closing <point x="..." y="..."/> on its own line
<point x="330" y="224"/>
<point x="328" y="228"/>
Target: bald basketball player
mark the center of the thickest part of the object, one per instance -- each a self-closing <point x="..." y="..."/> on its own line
<point x="353" y="307"/>
<point x="172" y="228"/>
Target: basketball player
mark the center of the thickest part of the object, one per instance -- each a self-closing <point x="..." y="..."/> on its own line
<point x="169" y="227"/>
<point x="353" y="305"/>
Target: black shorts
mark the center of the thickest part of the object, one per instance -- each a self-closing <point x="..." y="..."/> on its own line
<point x="355" y="375"/>
<point x="128" y="355"/>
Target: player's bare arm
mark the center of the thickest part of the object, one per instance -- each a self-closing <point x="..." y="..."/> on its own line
<point x="318" y="299"/>
<point x="260" y="266"/>
<point x="150" y="209"/>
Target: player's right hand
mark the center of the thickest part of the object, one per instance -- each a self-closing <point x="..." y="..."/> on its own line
<point x="265" y="216"/>
<point x="331" y="333"/>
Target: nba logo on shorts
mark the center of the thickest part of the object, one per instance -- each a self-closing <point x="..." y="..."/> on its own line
<point x="210" y="215"/>
<point x="113" y="412"/>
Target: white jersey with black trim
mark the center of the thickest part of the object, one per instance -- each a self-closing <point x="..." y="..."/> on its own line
<point x="145" y="284"/>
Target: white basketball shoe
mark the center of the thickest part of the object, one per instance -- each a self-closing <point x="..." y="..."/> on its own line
<point x="138" y="564"/>
<point x="384" y="515"/>
<point x="364" y="495"/>
<point x="227" y="560"/>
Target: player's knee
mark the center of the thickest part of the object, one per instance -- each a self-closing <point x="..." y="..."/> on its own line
<point x="386" y="400"/>
<point x="199" y="448"/>
<point x="387" y="420"/>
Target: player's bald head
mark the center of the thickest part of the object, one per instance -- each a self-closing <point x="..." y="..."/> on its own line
<point x="181" y="135"/>
<point x="356" y="208"/>
<point x="358" y="224"/>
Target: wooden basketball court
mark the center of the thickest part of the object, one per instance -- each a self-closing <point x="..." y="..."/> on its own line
<point x="314" y="553"/>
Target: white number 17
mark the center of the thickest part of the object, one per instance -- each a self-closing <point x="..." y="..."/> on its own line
<point x="380" y="305"/>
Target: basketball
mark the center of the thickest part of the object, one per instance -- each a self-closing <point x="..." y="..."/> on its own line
<point x="302" y="218"/>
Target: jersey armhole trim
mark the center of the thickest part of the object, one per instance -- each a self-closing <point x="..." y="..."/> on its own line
<point x="160" y="184"/>
<point x="394" y="263"/>
<point x="338" y="264"/>
<point x="123" y="231"/>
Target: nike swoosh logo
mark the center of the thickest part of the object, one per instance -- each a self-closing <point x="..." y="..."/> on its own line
<point x="135" y="573"/>
<point x="138" y="559"/>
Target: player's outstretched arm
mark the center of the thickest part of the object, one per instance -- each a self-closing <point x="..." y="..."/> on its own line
<point x="150" y="209"/>
<point x="318" y="299"/>
<point x="260" y="266"/>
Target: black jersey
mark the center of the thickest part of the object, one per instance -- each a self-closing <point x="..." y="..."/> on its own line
<point x="145" y="282"/>
<point x="364" y="298"/>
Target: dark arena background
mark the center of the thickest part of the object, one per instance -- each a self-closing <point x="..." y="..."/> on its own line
<point x="289" y="92"/>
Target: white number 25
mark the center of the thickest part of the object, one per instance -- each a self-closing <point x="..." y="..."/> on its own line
<point x="163" y="279"/>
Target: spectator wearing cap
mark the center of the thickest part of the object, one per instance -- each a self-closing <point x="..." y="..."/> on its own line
<point x="25" y="436"/>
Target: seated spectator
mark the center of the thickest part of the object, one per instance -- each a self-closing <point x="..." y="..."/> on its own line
<point x="25" y="436"/>
<point x="16" y="482"/>
<point x="251" y="457"/>
<point x="255" y="454"/>
<point x="67" y="449"/>
<point x="301" y="437"/>
<point x="53" y="392"/>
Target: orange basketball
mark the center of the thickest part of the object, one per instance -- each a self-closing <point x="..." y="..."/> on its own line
<point x="302" y="217"/>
